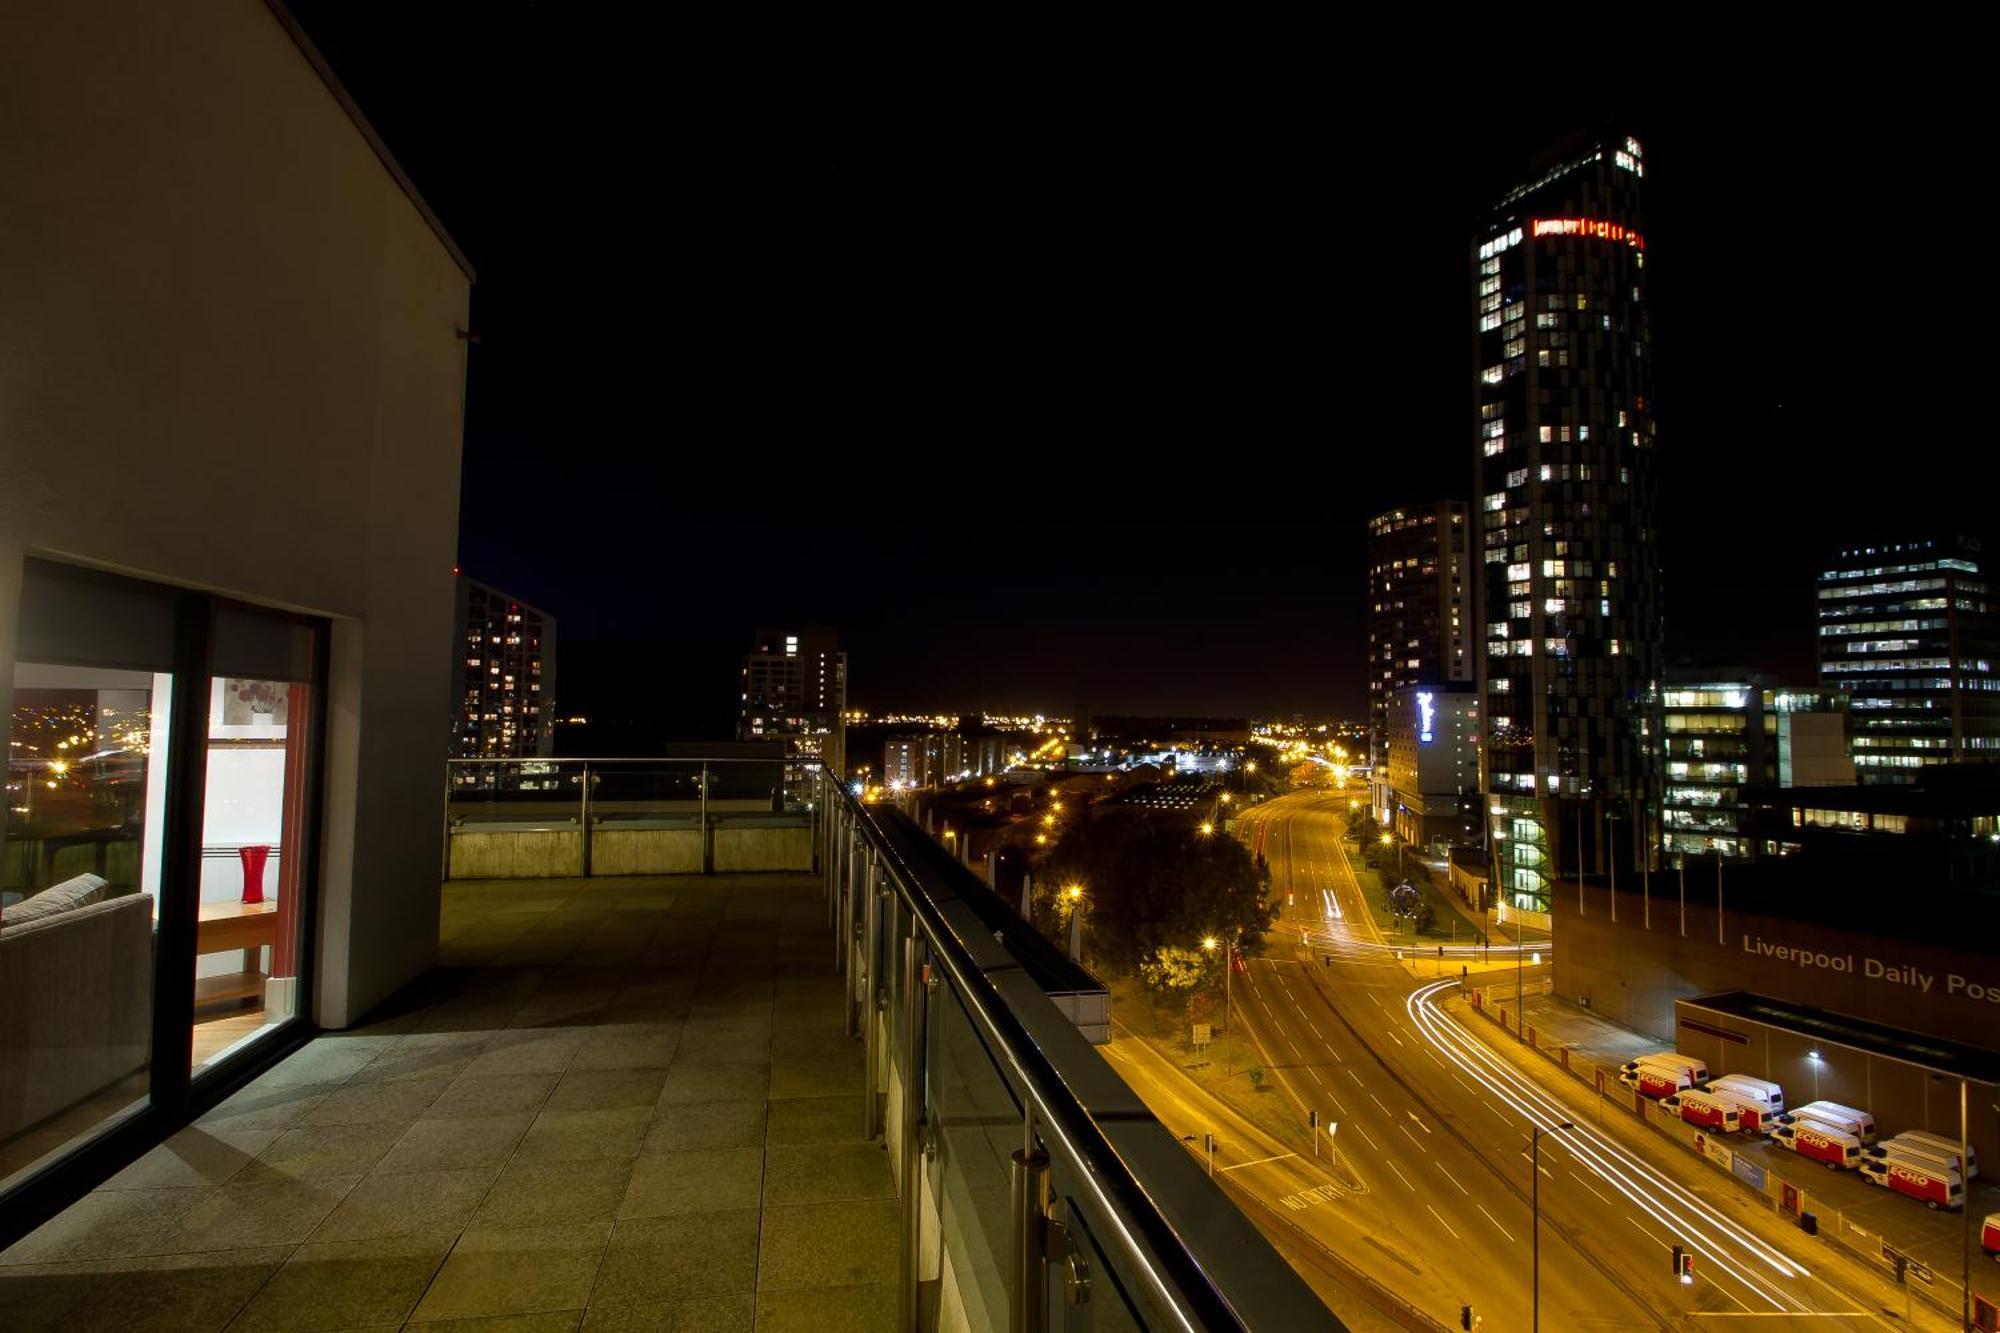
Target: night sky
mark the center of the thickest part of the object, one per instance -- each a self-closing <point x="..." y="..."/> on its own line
<point x="1067" y="395"/>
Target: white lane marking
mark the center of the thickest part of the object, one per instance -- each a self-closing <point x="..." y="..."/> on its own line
<point x="1449" y="1176"/>
<point x="1393" y="1037"/>
<point x="1359" y="1084"/>
<point x="1496" y="1222"/>
<point x="1400" y="1176"/>
<point x="1295" y="1048"/>
<point x="1378" y="1106"/>
<point x="1315" y="1030"/>
<point x="1441" y="1222"/>
<point x="1419" y="1123"/>
<point x="1594" y="1190"/>
<point x="1371" y="998"/>
<point x="1413" y="1138"/>
<point x="1259" y="1162"/>
<point x="1366" y="1135"/>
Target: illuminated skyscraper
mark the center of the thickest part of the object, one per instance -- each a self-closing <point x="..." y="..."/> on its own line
<point x="1908" y="630"/>
<point x="1565" y="498"/>
<point x="1421" y="630"/>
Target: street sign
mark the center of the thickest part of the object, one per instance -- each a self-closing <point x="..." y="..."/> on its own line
<point x="1201" y="1034"/>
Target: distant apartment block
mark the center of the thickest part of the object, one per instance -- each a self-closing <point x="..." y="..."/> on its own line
<point x="794" y="689"/>
<point x="506" y="676"/>
<point x="1420" y="618"/>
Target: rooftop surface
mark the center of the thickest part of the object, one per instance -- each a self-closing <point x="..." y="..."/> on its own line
<point x="616" y="1104"/>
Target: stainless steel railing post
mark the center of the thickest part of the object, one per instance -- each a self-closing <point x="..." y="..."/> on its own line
<point x="583" y="821"/>
<point x="910" y="1132"/>
<point x="871" y="981"/>
<point x="1027" y="1261"/>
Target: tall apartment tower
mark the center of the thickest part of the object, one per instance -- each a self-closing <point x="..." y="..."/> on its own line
<point x="1421" y="624"/>
<point x="505" y="707"/>
<point x="794" y="689"/>
<point x="1908" y="631"/>
<point x="1565" y="498"/>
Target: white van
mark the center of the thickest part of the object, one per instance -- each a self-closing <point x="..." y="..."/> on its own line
<point x="1920" y="1152"/>
<point x="1747" y="1089"/>
<point x="1941" y="1145"/>
<point x="1694" y="1069"/>
<point x="1753" y="1116"/>
<point x="1857" y="1124"/>
<point x="1829" y="1147"/>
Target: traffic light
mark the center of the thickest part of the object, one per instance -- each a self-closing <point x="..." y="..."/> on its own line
<point x="1465" y="1318"/>
<point x="1683" y="1266"/>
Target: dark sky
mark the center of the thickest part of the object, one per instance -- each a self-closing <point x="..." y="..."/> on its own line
<point x="1073" y="396"/>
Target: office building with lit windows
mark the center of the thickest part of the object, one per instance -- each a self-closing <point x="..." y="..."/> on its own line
<point x="1727" y="735"/>
<point x="1421" y="632"/>
<point x="1566" y="431"/>
<point x="506" y="676"/>
<point x="1907" y="630"/>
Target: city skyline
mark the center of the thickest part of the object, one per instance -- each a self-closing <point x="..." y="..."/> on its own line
<point x="1260" y="355"/>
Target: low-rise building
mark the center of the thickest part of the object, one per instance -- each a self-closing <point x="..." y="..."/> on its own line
<point x="1433" y="769"/>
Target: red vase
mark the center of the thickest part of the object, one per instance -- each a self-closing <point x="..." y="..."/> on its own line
<point x="253" y="872"/>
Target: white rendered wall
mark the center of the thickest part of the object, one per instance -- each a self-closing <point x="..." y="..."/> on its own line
<point x="229" y="359"/>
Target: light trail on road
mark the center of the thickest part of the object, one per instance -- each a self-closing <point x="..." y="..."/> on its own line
<point x="1725" y="1244"/>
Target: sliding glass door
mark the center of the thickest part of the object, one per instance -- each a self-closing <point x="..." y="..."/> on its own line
<point x="155" y="871"/>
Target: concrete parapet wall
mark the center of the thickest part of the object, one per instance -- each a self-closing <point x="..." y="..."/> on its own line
<point x="484" y="852"/>
<point x="657" y="851"/>
<point x="517" y="854"/>
<point x="762" y="848"/>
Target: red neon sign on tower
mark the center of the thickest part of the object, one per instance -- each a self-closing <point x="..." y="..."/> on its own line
<point x="1608" y="231"/>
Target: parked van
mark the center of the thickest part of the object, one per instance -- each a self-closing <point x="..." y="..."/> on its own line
<point x="1829" y="1147"/>
<point x="1745" y="1088"/>
<point x="1699" y="1108"/>
<point x="1657" y="1081"/>
<point x="1926" y="1155"/>
<point x="1835" y="1116"/>
<point x="1938" y="1189"/>
<point x="1989" y="1236"/>
<point x="1755" y="1117"/>
<point x="1941" y="1145"/>
<point x="1697" y="1071"/>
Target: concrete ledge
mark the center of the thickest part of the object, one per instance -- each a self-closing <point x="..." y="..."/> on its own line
<point x="763" y="847"/>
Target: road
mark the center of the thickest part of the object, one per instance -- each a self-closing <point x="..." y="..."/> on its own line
<point x="1435" y="1121"/>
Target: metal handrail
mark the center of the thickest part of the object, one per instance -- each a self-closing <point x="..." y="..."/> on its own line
<point x="1193" y="1288"/>
<point x="635" y="759"/>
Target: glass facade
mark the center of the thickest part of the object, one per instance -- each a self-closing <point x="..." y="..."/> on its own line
<point x="1566" y="428"/>
<point x="1907" y="630"/>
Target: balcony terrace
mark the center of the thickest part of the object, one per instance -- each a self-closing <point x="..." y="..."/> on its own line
<point x="676" y="1102"/>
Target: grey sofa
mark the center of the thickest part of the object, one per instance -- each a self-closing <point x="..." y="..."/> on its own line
<point x="76" y="999"/>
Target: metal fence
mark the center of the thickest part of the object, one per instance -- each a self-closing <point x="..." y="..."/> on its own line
<point x="1038" y="1191"/>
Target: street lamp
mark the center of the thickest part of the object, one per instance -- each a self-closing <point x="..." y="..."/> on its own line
<point x="1206" y="828"/>
<point x="1209" y="944"/>
<point x="1535" y="1187"/>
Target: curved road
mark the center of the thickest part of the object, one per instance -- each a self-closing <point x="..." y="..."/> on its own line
<point x="1434" y="1121"/>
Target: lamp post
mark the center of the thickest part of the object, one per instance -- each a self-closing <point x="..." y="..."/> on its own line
<point x="1073" y="895"/>
<point x="1209" y="944"/>
<point x="1535" y="1190"/>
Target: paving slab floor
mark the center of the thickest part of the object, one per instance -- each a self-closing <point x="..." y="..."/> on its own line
<point x="615" y="1104"/>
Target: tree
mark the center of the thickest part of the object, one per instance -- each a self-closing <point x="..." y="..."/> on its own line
<point x="1149" y="887"/>
<point x="1174" y="972"/>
